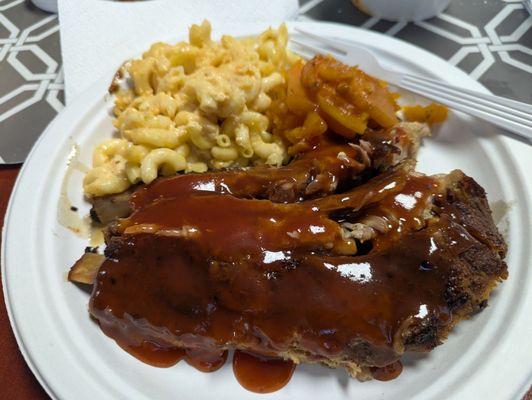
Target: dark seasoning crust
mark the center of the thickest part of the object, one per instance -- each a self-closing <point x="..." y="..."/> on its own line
<point x="220" y="275"/>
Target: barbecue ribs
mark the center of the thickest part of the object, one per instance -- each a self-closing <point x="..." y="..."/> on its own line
<point x="349" y="259"/>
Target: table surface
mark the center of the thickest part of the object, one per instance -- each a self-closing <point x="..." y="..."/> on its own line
<point x="489" y="39"/>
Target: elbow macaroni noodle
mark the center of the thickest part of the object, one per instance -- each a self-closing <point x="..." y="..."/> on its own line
<point x="194" y="106"/>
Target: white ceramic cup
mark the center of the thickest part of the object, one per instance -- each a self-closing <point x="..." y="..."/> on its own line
<point x="402" y="10"/>
<point x="46" y="5"/>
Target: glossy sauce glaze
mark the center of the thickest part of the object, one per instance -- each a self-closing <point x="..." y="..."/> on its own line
<point x="327" y="166"/>
<point x="314" y="173"/>
<point x="206" y="271"/>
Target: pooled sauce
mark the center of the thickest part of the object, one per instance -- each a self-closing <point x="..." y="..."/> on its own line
<point x="261" y="374"/>
<point x="206" y="360"/>
<point x="166" y="357"/>
<point x="205" y="270"/>
<point x="203" y="359"/>
<point x="154" y="355"/>
<point x="388" y="372"/>
<point x="149" y="352"/>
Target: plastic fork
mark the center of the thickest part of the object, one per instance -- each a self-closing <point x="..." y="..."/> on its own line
<point x="511" y="115"/>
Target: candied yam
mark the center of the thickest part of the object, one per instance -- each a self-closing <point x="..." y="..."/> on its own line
<point x="347" y="96"/>
<point x="430" y="114"/>
<point x="371" y="95"/>
<point x="343" y="119"/>
<point x="314" y="125"/>
<point x="296" y="98"/>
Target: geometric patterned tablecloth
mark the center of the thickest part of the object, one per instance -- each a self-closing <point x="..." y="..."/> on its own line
<point x="31" y="82"/>
<point x="489" y="39"/>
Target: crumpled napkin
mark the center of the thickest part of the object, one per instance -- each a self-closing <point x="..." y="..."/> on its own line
<point x="97" y="35"/>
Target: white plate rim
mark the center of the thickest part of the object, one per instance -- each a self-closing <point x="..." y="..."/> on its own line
<point x="20" y="327"/>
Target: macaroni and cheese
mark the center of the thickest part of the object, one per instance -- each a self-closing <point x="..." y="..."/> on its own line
<point x="195" y="106"/>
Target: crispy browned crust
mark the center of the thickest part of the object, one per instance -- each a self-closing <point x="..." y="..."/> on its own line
<point x="474" y="273"/>
<point x="467" y="199"/>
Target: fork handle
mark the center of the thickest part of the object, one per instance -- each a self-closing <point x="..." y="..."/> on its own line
<point x="503" y="103"/>
<point x="510" y="115"/>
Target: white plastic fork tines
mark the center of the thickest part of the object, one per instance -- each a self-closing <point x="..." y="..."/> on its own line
<point x="513" y="116"/>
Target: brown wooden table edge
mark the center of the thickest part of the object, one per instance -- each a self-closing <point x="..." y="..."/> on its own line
<point x="17" y="379"/>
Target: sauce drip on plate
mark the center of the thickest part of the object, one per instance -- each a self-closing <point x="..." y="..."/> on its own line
<point x="154" y="355"/>
<point x="387" y="373"/>
<point x="261" y="374"/>
<point x="206" y="360"/>
<point x="256" y="373"/>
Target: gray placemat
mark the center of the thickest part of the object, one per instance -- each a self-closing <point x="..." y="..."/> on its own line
<point x="489" y="39"/>
<point x="31" y="83"/>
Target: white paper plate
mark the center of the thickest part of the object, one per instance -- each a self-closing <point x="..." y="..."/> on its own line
<point x="487" y="357"/>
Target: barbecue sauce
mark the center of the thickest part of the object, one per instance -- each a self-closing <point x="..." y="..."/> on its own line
<point x="205" y="360"/>
<point x="327" y="166"/>
<point x="388" y="372"/>
<point x="207" y="270"/>
<point x="261" y="374"/>
<point x="263" y="182"/>
<point x="154" y="355"/>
